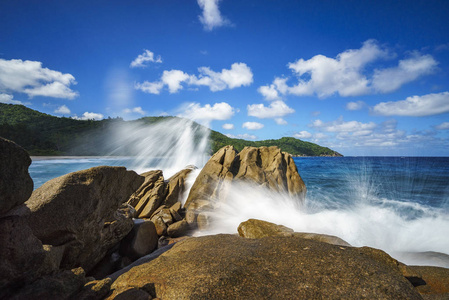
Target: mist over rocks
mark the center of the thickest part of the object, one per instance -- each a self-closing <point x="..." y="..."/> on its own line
<point x="16" y="184"/>
<point x="267" y="167"/>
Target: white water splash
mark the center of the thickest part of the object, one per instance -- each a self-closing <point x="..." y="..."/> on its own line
<point x="169" y="145"/>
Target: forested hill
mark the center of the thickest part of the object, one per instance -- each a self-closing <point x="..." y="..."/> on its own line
<point x="43" y="134"/>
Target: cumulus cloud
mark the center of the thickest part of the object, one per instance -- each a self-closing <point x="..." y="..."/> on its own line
<point x="228" y="126"/>
<point x="276" y="109"/>
<point x="339" y="125"/>
<point x="391" y="79"/>
<point x="237" y="76"/>
<point x="9" y="99"/>
<point x="142" y="60"/>
<point x="244" y="136"/>
<point x="355" y="105"/>
<point x="63" y="109"/>
<point x="415" y="106"/>
<point x="252" y="125"/>
<point x="218" y="111"/>
<point x="211" y="16"/>
<point x="31" y="78"/>
<point x="280" y="121"/>
<point x="137" y="110"/>
<point x="443" y="126"/>
<point x="89" y="116"/>
<point x="303" y="135"/>
<point x="348" y="74"/>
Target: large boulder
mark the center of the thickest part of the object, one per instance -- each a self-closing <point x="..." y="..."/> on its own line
<point x="84" y="212"/>
<point x="140" y="241"/>
<point x="265" y="166"/>
<point x="23" y="258"/>
<point x="16" y="184"/>
<point x="436" y="281"/>
<point x="232" y="267"/>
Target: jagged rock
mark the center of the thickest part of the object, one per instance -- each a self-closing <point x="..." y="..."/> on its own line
<point x="175" y="211"/>
<point x="176" y="187"/>
<point x="152" y="194"/>
<point x="82" y="211"/>
<point x="265" y="166"/>
<point x="256" y="229"/>
<point x="16" y="184"/>
<point x="161" y="228"/>
<point x="436" y="281"/>
<point x="178" y="229"/>
<point x="140" y="241"/>
<point x="22" y="255"/>
<point x="232" y="267"/>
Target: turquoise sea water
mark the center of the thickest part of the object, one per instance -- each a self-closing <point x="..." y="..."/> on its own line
<point x="398" y="204"/>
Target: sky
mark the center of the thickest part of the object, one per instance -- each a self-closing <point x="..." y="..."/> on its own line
<point x="360" y="77"/>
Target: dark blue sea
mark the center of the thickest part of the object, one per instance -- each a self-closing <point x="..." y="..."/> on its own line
<point x="397" y="204"/>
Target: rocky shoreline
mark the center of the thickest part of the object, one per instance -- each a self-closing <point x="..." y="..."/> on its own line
<point x="109" y="233"/>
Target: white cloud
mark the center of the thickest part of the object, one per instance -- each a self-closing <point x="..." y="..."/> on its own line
<point x="348" y="74"/>
<point x="141" y="60"/>
<point x="244" y="136"/>
<point x="228" y="126"/>
<point x="150" y="87"/>
<point x="218" y="111"/>
<point x="237" y="76"/>
<point x="276" y="109"/>
<point x="355" y="105"/>
<point x="137" y="110"/>
<point x="9" y="99"/>
<point x="280" y="121"/>
<point x="211" y="16"/>
<point x="30" y="78"/>
<point x="63" y="109"/>
<point x="303" y="135"/>
<point x="391" y="79"/>
<point x="415" y="106"/>
<point x="340" y="125"/>
<point x="252" y="125"/>
<point x="443" y="126"/>
<point x="89" y="116"/>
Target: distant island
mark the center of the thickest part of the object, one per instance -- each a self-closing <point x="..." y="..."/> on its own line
<point x="44" y="134"/>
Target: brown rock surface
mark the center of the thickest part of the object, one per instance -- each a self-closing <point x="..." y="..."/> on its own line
<point x="176" y="187"/>
<point x="256" y="229"/>
<point x="140" y="241"/>
<point x="22" y="256"/>
<point x="436" y="279"/>
<point x="231" y="267"/>
<point x="264" y="166"/>
<point x="150" y="194"/>
<point x="81" y="211"/>
<point x="16" y="185"/>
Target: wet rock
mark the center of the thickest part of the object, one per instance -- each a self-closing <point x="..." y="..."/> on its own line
<point x="265" y="167"/>
<point x="94" y="290"/>
<point x="16" y="184"/>
<point x="83" y="211"/>
<point x="176" y="186"/>
<point x="231" y="267"/>
<point x="256" y="229"/>
<point x="178" y="229"/>
<point x="140" y="241"/>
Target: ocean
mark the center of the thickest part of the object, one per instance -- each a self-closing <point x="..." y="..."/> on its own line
<point x="397" y="204"/>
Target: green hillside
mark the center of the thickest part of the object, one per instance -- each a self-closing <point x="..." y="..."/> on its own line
<point x="43" y="134"/>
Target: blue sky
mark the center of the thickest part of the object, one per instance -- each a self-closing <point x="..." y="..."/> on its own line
<point x="361" y="77"/>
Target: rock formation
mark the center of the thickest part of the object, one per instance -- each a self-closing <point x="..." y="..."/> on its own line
<point x="231" y="267"/>
<point x="265" y="166"/>
<point x="16" y="185"/>
<point x="83" y="213"/>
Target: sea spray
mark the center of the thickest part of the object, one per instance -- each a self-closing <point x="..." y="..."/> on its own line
<point x="170" y="144"/>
